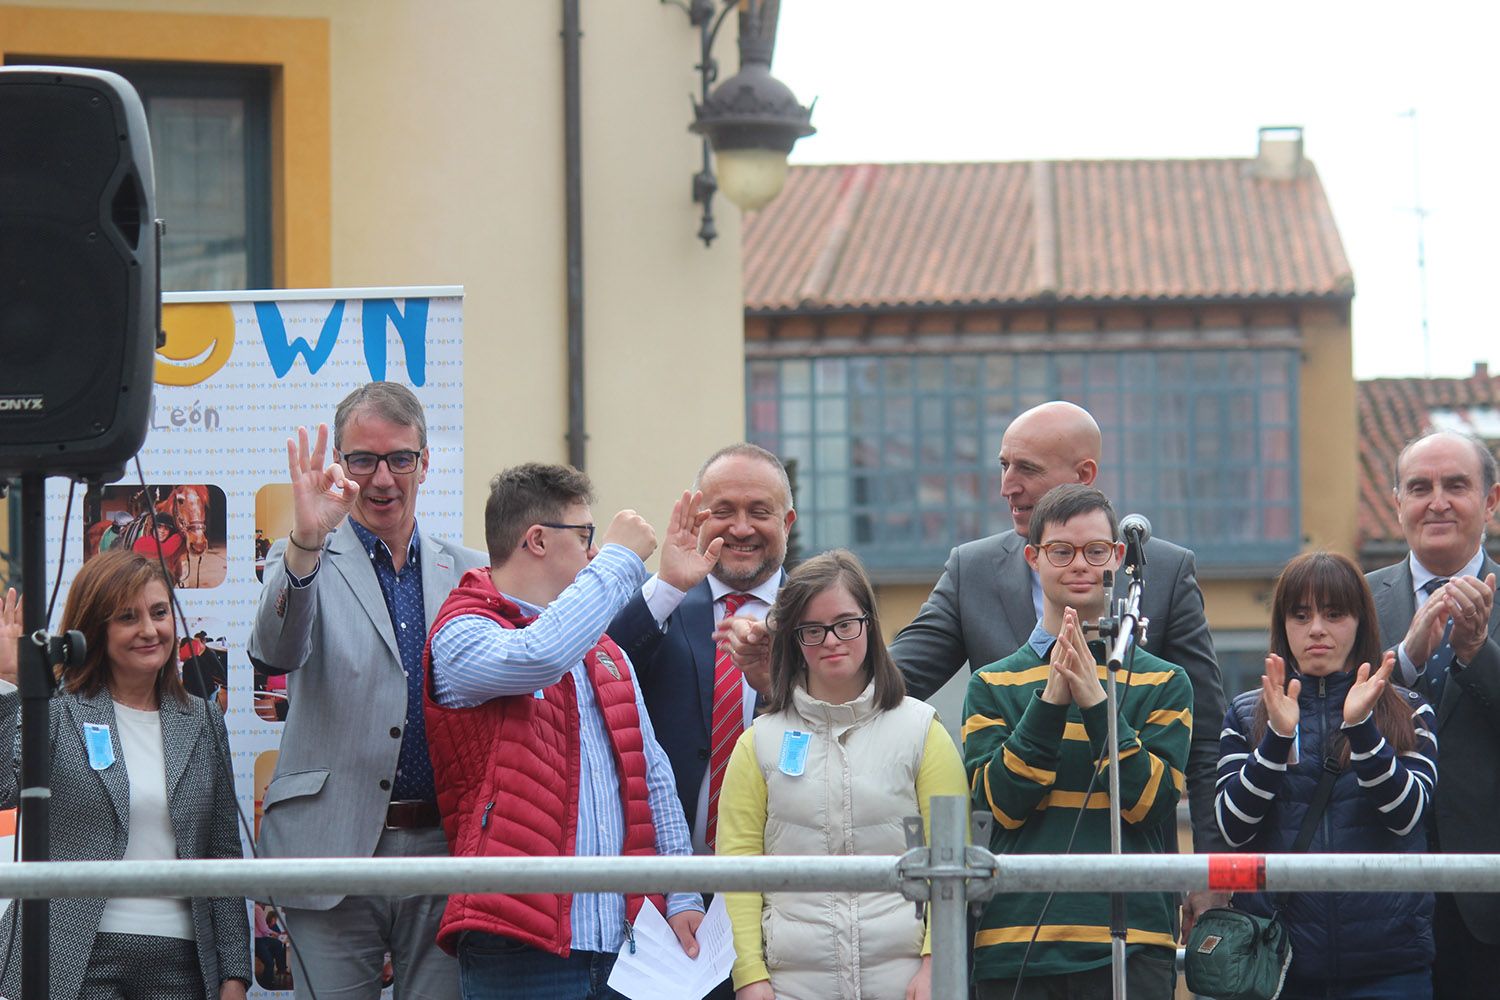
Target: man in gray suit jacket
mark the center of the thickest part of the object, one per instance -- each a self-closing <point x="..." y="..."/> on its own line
<point x="1437" y="609"/>
<point x="988" y="600"/>
<point x="348" y="599"/>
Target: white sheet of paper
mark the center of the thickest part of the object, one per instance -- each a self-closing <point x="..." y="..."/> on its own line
<point x="660" y="970"/>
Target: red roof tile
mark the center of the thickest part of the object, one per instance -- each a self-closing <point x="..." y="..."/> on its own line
<point x="1392" y="411"/>
<point x="974" y="234"/>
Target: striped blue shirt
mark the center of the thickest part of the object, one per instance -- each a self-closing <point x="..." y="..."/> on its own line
<point x="475" y="660"/>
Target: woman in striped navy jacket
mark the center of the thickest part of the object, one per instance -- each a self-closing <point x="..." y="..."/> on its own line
<point x="1322" y="703"/>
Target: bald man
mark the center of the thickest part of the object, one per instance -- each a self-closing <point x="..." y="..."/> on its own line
<point x="988" y="600"/>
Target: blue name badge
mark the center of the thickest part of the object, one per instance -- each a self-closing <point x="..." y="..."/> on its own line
<point x="100" y="750"/>
<point x="794" y="752"/>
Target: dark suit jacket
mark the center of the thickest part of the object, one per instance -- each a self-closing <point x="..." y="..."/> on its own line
<point x="675" y="669"/>
<point x="91" y="822"/>
<point x="1468" y="722"/>
<point x="981" y="612"/>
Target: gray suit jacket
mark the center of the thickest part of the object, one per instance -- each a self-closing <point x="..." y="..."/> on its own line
<point x="91" y="822"/>
<point x="346" y="698"/>
<point x="1468" y="722"/>
<point x="981" y="612"/>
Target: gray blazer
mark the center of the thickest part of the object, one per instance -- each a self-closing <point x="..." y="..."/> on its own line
<point x="346" y="698"/>
<point x="91" y="822"/>
<point x="981" y="611"/>
<point x="1468" y="723"/>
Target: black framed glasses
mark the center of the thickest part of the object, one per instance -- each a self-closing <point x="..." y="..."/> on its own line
<point x="844" y="628"/>
<point x="588" y="529"/>
<point x="364" y="463"/>
<point x="1061" y="554"/>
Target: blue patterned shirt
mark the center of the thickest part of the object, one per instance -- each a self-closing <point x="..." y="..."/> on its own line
<point x="474" y="660"/>
<point x="403" y="600"/>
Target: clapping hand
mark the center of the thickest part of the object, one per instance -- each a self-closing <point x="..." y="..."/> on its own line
<point x="1366" y="690"/>
<point x="684" y="563"/>
<point x="1280" y="696"/>
<point x="10" y="634"/>
<point x="1470" y="601"/>
<point x="749" y="644"/>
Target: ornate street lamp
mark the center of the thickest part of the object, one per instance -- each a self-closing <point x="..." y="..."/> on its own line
<point x="751" y="120"/>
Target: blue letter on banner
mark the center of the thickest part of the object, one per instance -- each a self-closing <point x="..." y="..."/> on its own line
<point x="282" y="354"/>
<point x="411" y="328"/>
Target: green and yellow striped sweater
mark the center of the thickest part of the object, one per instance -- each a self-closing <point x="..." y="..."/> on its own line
<point x="1029" y="763"/>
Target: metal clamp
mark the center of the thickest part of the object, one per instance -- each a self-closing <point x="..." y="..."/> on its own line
<point x="915" y="870"/>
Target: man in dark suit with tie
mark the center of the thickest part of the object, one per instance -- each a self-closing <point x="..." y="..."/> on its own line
<point x="699" y="702"/>
<point x="1437" y="608"/>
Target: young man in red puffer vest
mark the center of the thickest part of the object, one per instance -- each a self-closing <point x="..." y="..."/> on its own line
<point x="540" y="743"/>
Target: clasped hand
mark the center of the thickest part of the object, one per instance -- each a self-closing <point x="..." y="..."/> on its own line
<point x="1074" y="676"/>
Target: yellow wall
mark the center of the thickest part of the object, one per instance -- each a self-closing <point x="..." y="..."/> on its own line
<point x="1330" y="432"/>
<point x="422" y="143"/>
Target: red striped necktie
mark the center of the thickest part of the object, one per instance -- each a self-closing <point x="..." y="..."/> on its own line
<point x="728" y="719"/>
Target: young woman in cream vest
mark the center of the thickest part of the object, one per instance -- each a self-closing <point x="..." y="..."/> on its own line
<point x="839" y="758"/>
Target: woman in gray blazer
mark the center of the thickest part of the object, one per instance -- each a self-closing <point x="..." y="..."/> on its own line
<point x="140" y="770"/>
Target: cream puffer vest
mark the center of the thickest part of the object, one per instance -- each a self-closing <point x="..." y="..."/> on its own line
<point x="860" y="781"/>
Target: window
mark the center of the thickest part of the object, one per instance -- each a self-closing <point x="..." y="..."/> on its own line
<point x="210" y="147"/>
<point x="897" y="453"/>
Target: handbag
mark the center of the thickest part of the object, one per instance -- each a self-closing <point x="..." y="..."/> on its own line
<point x="1234" y="955"/>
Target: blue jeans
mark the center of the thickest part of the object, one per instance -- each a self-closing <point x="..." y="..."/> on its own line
<point x="491" y="967"/>
<point x="1405" y="986"/>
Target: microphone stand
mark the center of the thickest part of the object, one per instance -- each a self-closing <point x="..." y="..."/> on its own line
<point x="1118" y="632"/>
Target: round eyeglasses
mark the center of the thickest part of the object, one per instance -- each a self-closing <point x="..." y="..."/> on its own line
<point x="1060" y="554"/>
<point x="844" y="628"/>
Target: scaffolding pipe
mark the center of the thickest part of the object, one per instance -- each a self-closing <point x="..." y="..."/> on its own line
<point x="950" y="907"/>
<point x="1093" y="873"/>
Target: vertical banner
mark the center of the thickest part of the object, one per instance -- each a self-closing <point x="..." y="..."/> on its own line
<point x="238" y="374"/>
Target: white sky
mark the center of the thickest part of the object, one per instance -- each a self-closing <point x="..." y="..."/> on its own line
<point x="945" y="80"/>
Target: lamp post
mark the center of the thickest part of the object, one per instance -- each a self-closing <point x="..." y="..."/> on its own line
<point x="750" y="121"/>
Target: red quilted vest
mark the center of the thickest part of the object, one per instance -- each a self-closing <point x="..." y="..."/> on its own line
<point x="507" y="777"/>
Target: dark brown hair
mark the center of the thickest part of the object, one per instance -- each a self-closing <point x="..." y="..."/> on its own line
<point x="807" y="581"/>
<point x="1331" y="582"/>
<point x="529" y="494"/>
<point x="104" y="585"/>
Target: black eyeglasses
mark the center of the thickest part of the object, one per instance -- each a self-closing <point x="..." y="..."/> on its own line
<point x="845" y="629"/>
<point x="363" y="463"/>
<point x="588" y="539"/>
<point x="1061" y="554"/>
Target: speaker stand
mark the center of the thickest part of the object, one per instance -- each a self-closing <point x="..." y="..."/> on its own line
<point x="35" y="681"/>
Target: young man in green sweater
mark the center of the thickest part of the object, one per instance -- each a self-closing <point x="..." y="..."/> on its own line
<point x="1035" y="747"/>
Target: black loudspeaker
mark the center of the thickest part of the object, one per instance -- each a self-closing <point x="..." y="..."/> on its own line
<point x="80" y="301"/>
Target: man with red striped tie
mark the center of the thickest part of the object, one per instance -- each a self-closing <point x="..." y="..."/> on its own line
<point x="698" y="701"/>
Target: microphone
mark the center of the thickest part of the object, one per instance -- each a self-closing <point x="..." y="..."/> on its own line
<point x="1136" y="529"/>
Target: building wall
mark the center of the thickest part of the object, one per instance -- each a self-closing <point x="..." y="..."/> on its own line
<point x="422" y="143"/>
<point x="1330" y="433"/>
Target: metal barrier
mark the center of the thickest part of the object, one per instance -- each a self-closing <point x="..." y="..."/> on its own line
<point x="947" y="877"/>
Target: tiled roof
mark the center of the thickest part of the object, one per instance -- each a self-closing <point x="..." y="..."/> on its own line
<point x="862" y="236"/>
<point x="1392" y="411"/>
